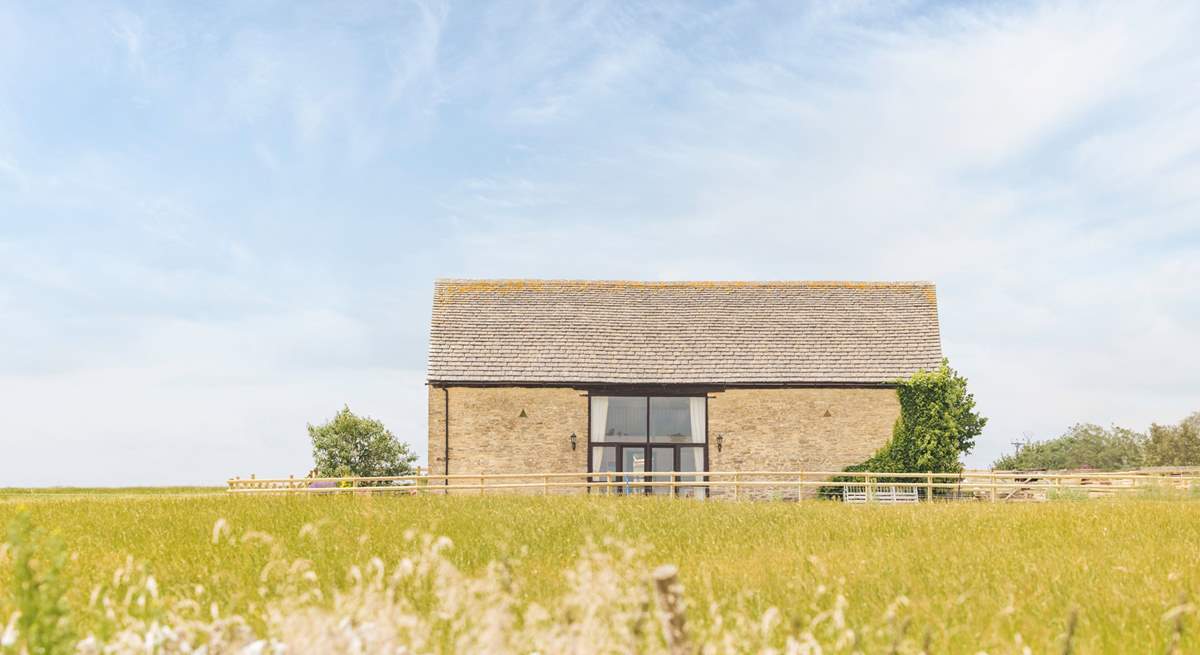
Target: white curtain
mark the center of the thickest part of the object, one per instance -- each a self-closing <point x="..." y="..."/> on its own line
<point x="697" y="415"/>
<point x="599" y="417"/>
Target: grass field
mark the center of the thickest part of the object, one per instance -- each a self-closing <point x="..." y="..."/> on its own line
<point x="953" y="577"/>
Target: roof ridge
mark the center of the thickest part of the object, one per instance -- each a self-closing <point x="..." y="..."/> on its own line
<point x="685" y="283"/>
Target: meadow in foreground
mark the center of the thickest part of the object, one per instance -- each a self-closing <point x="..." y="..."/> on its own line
<point x="513" y="574"/>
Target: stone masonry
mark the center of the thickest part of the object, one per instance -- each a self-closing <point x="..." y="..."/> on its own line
<point x="798" y="429"/>
<point x="763" y="429"/>
<point x="489" y="435"/>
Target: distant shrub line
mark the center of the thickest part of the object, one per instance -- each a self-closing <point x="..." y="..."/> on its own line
<point x="1086" y="445"/>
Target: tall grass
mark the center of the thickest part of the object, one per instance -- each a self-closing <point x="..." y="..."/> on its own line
<point x="510" y="574"/>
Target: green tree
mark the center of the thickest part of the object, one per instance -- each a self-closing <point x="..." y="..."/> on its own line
<point x="1084" y="445"/>
<point x="937" y="425"/>
<point x="351" y="445"/>
<point x="1174" y="445"/>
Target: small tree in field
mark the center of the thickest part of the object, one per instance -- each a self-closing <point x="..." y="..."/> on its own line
<point x="351" y="445"/>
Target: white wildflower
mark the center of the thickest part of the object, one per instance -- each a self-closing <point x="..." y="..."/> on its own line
<point x="9" y="637"/>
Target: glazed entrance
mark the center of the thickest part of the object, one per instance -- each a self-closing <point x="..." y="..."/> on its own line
<point x="638" y="436"/>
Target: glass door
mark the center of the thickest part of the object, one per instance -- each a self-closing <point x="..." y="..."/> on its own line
<point x="691" y="460"/>
<point x="662" y="460"/>
<point x="604" y="460"/>
<point x="633" y="468"/>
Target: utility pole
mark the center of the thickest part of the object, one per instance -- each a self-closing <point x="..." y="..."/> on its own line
<point x="1026" y="437"/>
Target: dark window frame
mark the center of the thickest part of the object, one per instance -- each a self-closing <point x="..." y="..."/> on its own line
<point x="647" y="445"/>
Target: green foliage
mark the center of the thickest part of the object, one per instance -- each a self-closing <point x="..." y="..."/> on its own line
<point x="350" y="445"/>
<point x="1091" y="446"/>
<point x="1083" y="446"/>
<point x="938" y="424"/>
<point x="1174" y="445"/>
<point x="39" y="589"/>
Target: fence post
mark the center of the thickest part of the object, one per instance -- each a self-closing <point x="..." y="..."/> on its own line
<point x="608" y="484"/>
<point x="929" y="487"/>
<point x="800" y="487"/>
<point x="545" y="485"/>
<point x="737" y="485"/>
<point x="993" y="486"/>
<point x="481" y="483"/>
<point x="671" y="611"/>
<point x="870" y="489"/>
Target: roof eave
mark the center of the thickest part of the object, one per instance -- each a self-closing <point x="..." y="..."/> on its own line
<point x="818" y="384"/>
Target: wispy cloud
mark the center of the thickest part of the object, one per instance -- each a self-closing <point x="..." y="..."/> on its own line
<point x="12" y="174"/>
<point x="414" y="54"/>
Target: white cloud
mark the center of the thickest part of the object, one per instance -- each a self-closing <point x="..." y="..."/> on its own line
<point x="11" y="174"/>
<point x="154" y="425"/>
<point x="415" y="59"/>
<point x="128" y="30"/>
<point x="177" y="401"/>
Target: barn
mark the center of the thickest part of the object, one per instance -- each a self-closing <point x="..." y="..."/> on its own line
<point x="567" y="376"/>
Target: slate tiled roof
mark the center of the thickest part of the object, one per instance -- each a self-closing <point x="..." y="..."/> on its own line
<point x="592" y="332"/>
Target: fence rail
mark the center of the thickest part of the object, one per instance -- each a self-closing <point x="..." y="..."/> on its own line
<point x="859" y="486"/>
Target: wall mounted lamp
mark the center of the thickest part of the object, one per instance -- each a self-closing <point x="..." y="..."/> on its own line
<point x="574" y="440"/>
<point x="720" y="442"/>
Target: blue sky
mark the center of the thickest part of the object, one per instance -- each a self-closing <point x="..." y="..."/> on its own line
<point x="219" y="222"/>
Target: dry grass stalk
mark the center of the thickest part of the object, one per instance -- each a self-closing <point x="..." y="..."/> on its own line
<point x="671" y="608"/>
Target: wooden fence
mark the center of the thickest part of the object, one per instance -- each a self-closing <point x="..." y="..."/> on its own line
<point x="862" y="486"/>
